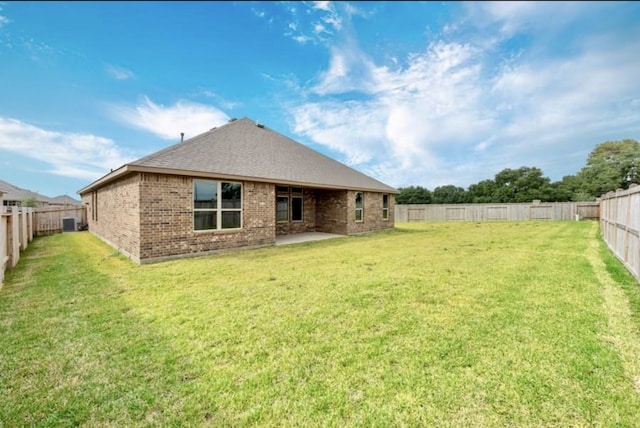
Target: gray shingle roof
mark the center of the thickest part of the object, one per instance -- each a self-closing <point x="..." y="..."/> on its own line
<point x="64" y="200"/>
<point x="15" y="193"/>
<point x="245" y="150"/>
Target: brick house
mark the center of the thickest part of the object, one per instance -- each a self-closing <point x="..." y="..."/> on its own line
<point x="238" y="185"/>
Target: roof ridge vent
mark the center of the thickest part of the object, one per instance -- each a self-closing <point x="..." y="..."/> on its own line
<point x="259" y="125"/>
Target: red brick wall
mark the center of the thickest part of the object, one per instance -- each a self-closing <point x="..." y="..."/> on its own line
<point x="331" y="211"/>
<point x="166" y="219"/>
<point x="150" y="216"/>
<point x="372" y="213"/>
<point x="114" y="216"/>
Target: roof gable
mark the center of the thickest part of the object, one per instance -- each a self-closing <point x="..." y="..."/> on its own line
<point x="244" y="149"/>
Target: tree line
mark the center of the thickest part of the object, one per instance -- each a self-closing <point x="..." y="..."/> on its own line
<point x="611" y="165"/>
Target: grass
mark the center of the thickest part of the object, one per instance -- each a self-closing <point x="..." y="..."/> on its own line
<point x="466" y="324"/>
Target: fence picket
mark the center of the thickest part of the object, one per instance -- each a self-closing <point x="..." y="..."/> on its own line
<point x="498" y="212"/>
<point x="620" y="226"/>
<point x="18" y="227"/>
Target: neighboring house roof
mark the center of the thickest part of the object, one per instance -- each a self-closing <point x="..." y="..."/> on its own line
<point x="14" y="193"/>
<point x="64" y="200"/>
<point x="245" y="150"/>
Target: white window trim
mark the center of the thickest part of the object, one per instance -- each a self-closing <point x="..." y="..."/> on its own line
<point x="218" y="208"/>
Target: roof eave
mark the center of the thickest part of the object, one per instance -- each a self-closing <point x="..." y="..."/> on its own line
<point x="130" y="168"/>
<point x="123" y="170"/>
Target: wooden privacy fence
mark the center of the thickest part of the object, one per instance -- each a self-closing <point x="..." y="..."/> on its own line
<point x="56" y="219"/>
<point x="18" y="227"/>
<point x="16" y="231"/>
<point x="620" y="226"/>
<point x="497" y="212"/>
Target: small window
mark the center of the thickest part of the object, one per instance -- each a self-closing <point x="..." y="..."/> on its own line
<point x="231" y="210"/>
<point x="282" y="208"/>
<point x="94" y="212"/>
<point x="231" y="219"/>
<point x="231" y="195"/>
<point x="385" y="207"/>
<point x="205" y="194"/>
<point x="359" y="207"/>
<point x="296" y="208"/>
<point x="204" y="220"/>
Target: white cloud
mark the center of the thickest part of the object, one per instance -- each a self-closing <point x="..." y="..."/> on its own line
<point x="354" y="130"/>
<point x="322" y="5"/>
<point x="331" y="16"/>
<point x="120" y="73"/>
<point x="349" y="69"/>
<point x="467" y="107"/>
<point x="74" y="155"/>
<point x="319" y="28"/>
<point x="3" y="19"/>
<point x="302" y="39"/>
<point x="258" y="13"/>
<point x="168" y="122"/>
<point x="333" y="20"/>
<point x="499" y="20"/>
<point x="219" y="100"/>
<point x="400" y="117"/>
<point x="511" y="16"/>
<point x="37" y="50"/>
<point x="317" y="22"/>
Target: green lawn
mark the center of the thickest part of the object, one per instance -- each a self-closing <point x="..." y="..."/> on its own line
<point x="524" y="324"/>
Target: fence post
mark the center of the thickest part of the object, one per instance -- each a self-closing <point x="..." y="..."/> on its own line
<point x="15" y="236"/>
<point x="3" y="244"/>
<point x="30" y="223"/>
<point x="24" y="240"/>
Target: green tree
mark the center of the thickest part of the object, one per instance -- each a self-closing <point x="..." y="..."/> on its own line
<point x="482" y="192"/>
<point x="449" y="194"/>
<point x="522" y="185"/>
<point x="29" y="202"/>
<point x="569" y="189"/>
<point x="608" y="166"/>
<point x="413" y="195"/>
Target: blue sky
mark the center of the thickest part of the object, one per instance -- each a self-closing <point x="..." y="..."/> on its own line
<point x="411" y="93"/>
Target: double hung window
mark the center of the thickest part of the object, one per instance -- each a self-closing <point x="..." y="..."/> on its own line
<point x="385" y="207"/>
<point x="359" y="207"/>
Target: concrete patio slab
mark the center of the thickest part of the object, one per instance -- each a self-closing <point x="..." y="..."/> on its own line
<point x="296" y="238"/>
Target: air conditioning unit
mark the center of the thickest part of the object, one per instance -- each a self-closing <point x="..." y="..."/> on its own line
<point x="69" y="224"/>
